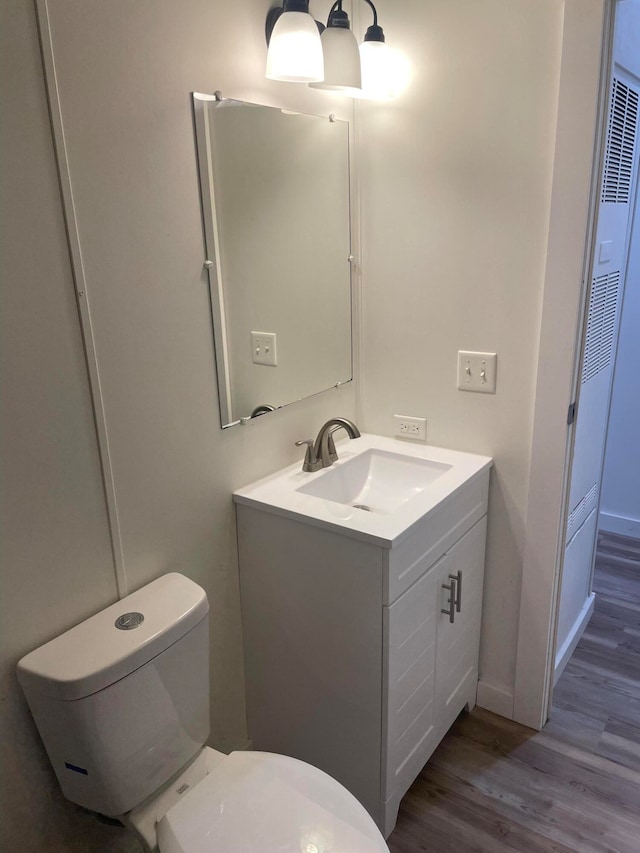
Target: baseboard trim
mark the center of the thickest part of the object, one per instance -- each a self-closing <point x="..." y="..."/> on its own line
<point x="619" y="524"/>
<point x="575" y="635"/>
<point x="495" y="699"/>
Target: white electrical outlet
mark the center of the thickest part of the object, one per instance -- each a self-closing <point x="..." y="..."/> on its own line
<point x="263" y="348"/>
<point x="477" y="371"/>
<point x="408" y="427"/>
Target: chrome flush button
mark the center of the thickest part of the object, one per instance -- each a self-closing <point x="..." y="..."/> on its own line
<point x="128" y="621"/>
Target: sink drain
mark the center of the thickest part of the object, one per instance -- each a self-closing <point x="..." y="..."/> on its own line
<point x="362" y="506"/>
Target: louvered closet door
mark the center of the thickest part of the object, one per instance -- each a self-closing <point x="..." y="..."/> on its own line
<point x="598" y="360"/>
<point x="605" y="300"/>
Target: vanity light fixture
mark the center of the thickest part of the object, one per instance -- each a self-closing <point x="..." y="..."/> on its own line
<point x="298" y="53"/>
<point x="295" y="50"/>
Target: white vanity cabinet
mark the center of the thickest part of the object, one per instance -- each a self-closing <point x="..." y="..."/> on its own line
<point x="431" y="663"/>
<point x="351" y="663"/>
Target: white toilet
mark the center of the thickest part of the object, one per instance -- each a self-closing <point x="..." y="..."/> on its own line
<point x="122" y="704"/>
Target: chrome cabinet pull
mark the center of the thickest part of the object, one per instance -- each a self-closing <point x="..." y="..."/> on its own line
<point x="458" y="581"/>
<point x="451" y="609"/>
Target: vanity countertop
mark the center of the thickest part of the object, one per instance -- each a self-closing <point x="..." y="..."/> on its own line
<point x="280" y="493"/>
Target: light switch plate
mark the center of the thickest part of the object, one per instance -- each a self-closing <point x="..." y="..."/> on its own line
<point x="263" y="348"/>
<point x="477" y="371"/>
<point x="605" y="253"/>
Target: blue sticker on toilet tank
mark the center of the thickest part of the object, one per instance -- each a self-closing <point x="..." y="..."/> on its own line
<point x="76" y="769"/>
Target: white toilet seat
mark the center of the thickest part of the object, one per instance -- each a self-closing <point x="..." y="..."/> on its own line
<point x="257" y="801"/>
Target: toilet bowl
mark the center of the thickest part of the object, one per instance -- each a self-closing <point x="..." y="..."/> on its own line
<point x="121" y="703"/>
<point x="256" y="801"/>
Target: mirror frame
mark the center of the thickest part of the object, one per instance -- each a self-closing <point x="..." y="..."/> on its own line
<point x="218" y="315"/>
<point x="212" y="259"/>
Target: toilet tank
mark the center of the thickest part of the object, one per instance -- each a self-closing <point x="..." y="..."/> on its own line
<point x="121" y="701"/>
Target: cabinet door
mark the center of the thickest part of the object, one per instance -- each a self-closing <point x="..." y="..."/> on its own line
<point x="410" y="646"/>
<point x="458" y="642"/>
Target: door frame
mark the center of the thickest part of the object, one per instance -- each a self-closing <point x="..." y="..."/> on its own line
<point x="586" y="56"/>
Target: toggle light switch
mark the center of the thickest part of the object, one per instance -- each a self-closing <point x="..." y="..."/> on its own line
<point x="477" y="371"/>
<point x="263" y="348"/>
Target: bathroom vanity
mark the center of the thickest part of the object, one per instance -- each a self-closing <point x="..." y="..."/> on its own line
<point x="361" y="595"/>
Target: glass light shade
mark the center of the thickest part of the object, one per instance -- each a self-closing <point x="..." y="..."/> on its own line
<point x="341" y="60"/>
<point x="377" y="83"/>
<point x="295" y="50"/>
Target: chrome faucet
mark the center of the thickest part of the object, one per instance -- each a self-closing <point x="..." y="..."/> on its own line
<point x="322" y="453"/>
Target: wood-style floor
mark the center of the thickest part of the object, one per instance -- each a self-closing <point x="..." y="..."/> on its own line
<point x="493" y="785"/>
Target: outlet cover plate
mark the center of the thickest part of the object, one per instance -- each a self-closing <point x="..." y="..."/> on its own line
<point x="477" y="371"/>
<point x="405" y="426"/>
<point x="263" y="348"/>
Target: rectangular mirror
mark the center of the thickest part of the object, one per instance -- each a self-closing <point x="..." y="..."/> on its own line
<point x="276" y="212"/>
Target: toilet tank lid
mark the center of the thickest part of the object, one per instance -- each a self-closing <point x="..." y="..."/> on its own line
<point x="96" y="653"/>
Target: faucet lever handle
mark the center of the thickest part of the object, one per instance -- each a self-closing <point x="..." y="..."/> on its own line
<point x="311" y="462"/>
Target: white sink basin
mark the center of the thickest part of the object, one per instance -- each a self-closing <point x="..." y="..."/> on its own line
<point x="400" y="483"/>
<point x="376" y="480"/>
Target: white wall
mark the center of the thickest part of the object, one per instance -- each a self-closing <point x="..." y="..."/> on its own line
<point x="456" y="174"/>
<point x="57" y="566"/>
<point x="456" y="180"/>
<point x="126" y="75"/>
<point x="620" y="499"/>
<point x="585" y="25"/>
<point x="124" y="79"/>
